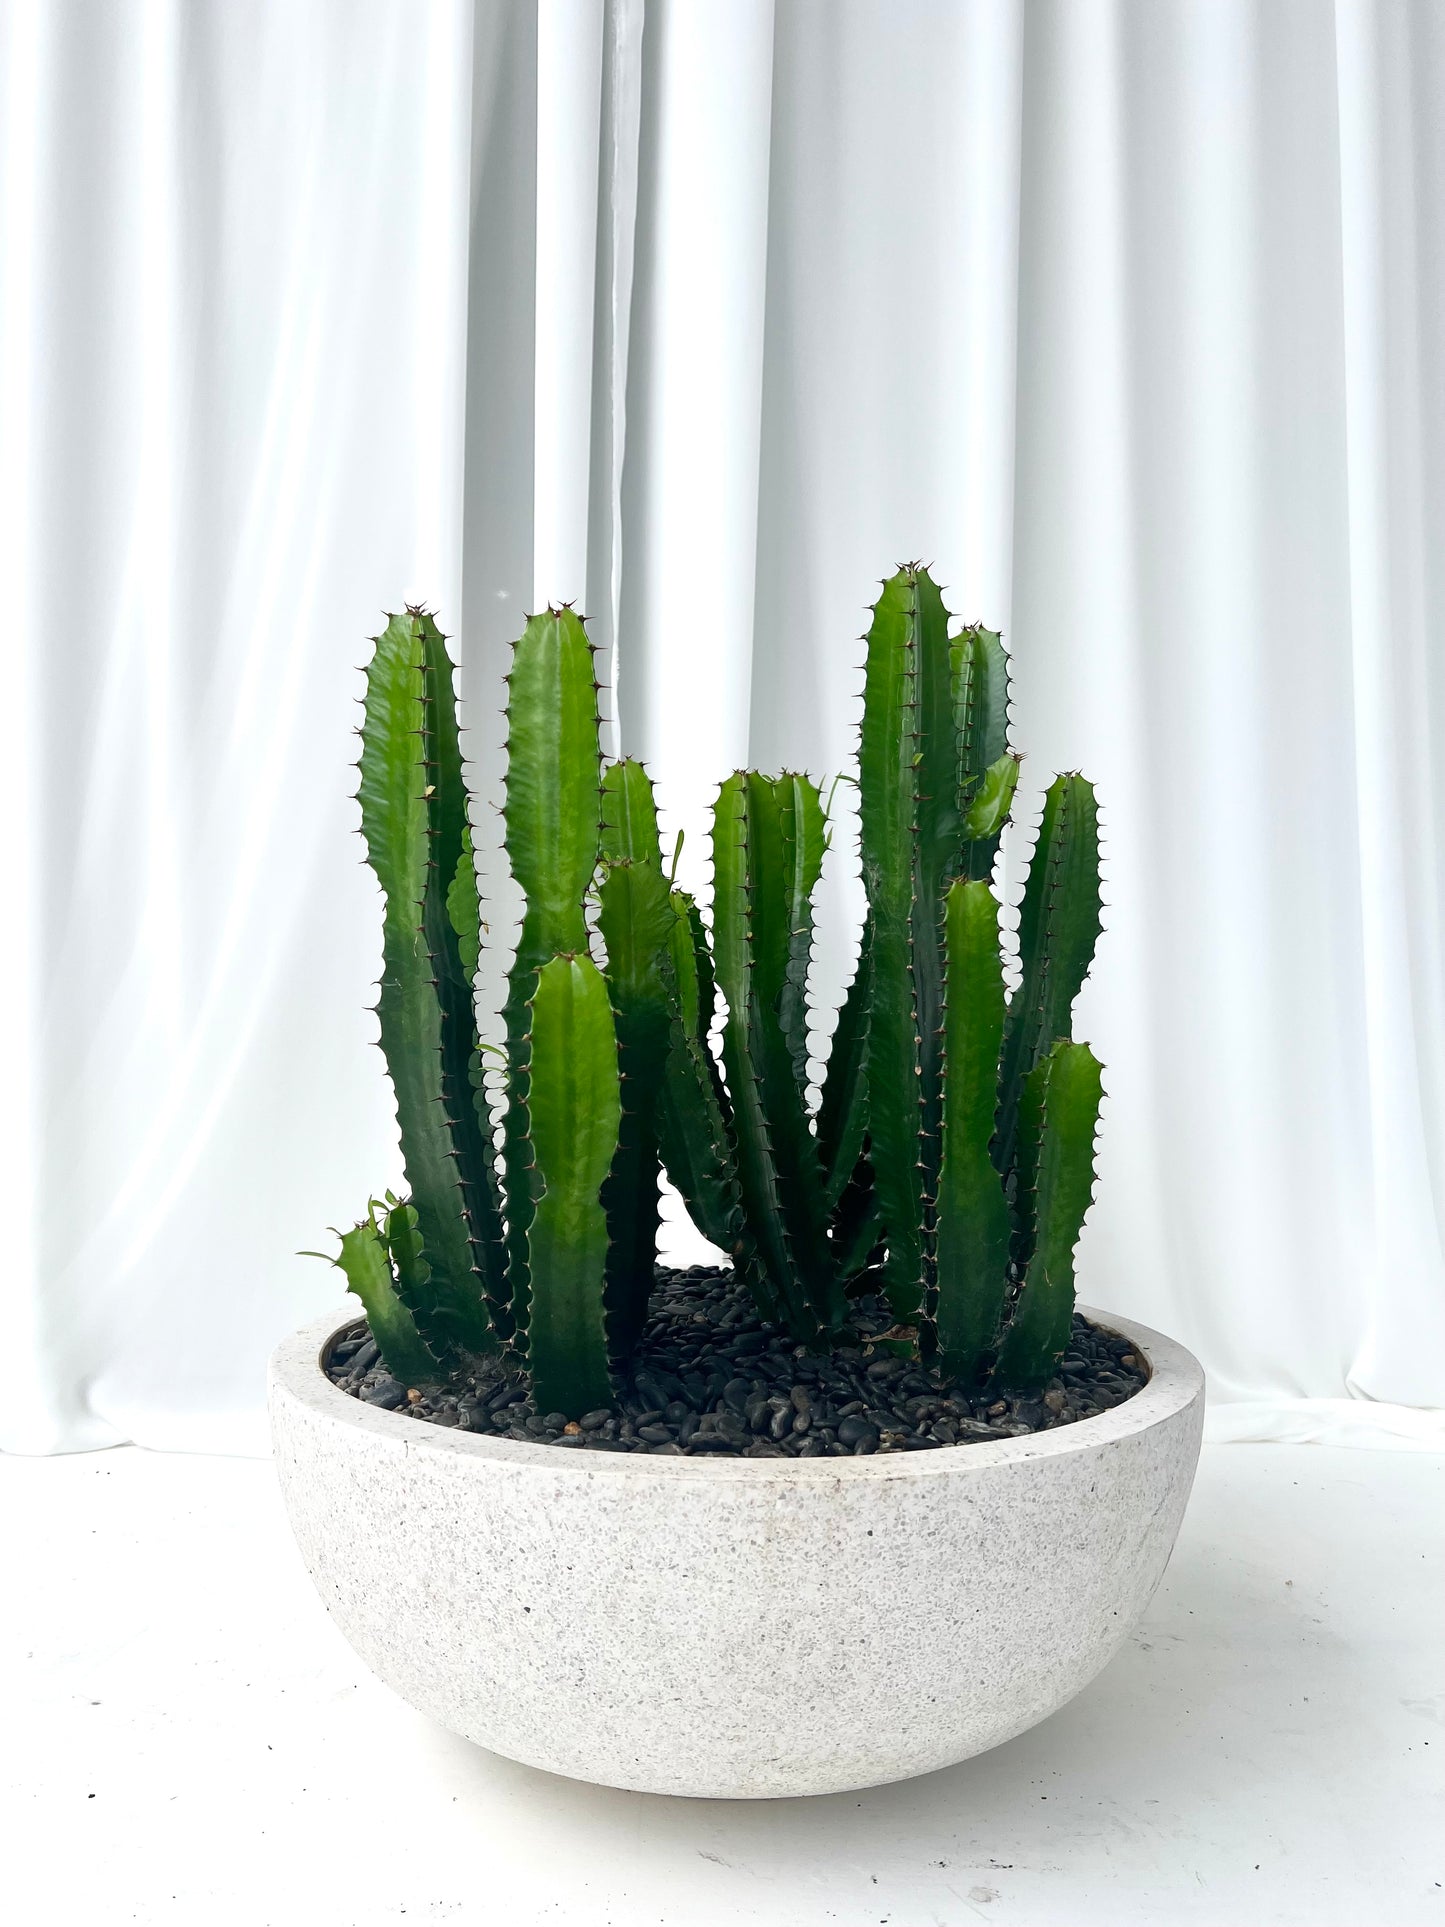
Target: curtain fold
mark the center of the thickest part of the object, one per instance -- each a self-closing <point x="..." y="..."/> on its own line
<point x="1124" y="314"/>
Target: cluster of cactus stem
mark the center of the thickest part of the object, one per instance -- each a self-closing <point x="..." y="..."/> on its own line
<point x="949" y="1157"/>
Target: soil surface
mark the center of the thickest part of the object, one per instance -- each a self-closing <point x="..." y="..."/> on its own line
<point x="711" y="1376"/>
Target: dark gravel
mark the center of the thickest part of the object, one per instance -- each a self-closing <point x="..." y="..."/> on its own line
<point x="711" y="1377"/>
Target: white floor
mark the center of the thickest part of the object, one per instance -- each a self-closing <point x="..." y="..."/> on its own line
<point x="187" y="1740"/>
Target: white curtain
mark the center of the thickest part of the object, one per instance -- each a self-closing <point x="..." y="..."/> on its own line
<point x="1128" y="315"/>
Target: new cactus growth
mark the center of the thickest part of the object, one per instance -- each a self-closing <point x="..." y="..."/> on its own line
<point x="952" y="1144"/>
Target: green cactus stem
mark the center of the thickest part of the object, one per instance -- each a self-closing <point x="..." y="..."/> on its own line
<point x="857" y="1227"/>
<point x="952" y="1138"/>
<point x="1056" y="1168"/>
<point x="973" y="1216"/>
<point x="843" y="1109"/>
<point x="365" y="1261"/>
<point x="988" y="812"/>
<point x="629" y="814"/>
<point x="732" y="957"/>
<point x="694" y="1116"/>
<point x="552" y="814"/>
<point x="779" y="1171"/>
<point x="452" y="925"/>
<point x="1058" y="928"/>
<point x="909" y="821"/>
<point x="980" y="680"/>
<point x="636" y="922"/>
<point x="396" y="797"/>
<point x="803" y="842"/>
<point x="636" y="918"/>
<point x="573" y="1112"/>
<point x="698" y="1152"/>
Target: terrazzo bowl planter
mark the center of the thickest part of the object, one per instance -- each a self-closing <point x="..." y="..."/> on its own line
<point x="735" y="1628"/>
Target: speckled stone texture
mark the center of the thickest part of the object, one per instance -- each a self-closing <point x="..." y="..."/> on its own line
<point x="734" y="1628"/>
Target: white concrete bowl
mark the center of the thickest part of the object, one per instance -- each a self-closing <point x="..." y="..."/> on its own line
<point x="735" y="1628"/>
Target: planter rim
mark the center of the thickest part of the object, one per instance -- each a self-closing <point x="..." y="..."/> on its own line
<point x="1176" y="1380"/>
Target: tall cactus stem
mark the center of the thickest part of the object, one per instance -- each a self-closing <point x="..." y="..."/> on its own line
<point x="552" y="814"/>
<point x="1067" y="1088"/>
<point x="452" y="923"/>
<point x="574" y="1113"/>
<point x="366" y="1263"/>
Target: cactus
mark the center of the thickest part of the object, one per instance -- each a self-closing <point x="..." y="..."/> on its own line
<point x="552" y="814"/>
<point x="635" y="917"/>
<point x="767" y="849"/>
<point x="1058" y="928"/>
<point x="973" y="1216"/>
<point x="573" y="1111"/>
<point x="409" y="807"/>
<point x="914" y="1154"/>
<point x="1061" y="1112"/>
<point x="843" y="1109"/>
<point x="952" y="1141"/>
<point x="447" y="1273"/>
<point x="452" y="924"/>
<point x="959" y="1135"/>
<point x="366" y="1260"/>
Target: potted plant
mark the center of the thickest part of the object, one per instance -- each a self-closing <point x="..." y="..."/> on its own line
<point x="874" y="1497"/>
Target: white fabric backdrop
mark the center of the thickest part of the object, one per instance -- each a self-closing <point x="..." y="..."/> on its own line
<point x="707" y="312"/>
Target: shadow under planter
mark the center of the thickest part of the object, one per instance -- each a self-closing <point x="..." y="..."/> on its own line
<point x="729" y="1627"/>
